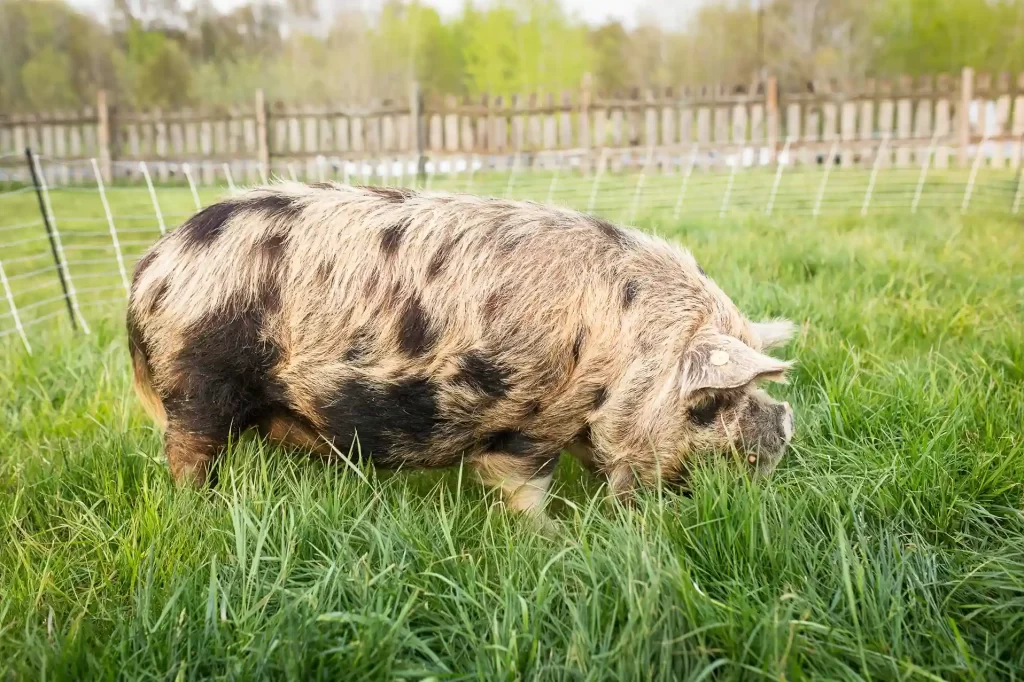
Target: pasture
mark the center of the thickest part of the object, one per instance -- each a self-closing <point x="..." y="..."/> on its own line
<point x="889" y="544"/>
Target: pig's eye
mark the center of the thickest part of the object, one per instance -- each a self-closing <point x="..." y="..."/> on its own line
<point x="704" y="412"/>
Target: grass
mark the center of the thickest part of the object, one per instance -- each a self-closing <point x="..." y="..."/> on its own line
<point x="889" y="545"/>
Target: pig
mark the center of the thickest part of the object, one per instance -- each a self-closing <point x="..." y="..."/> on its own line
<point x="427" y="329"/>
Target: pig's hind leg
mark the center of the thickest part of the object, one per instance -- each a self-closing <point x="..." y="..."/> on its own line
<point x="521" y="468"/>
<point x="218" y="384"/>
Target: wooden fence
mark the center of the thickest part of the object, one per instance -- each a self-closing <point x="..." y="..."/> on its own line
<point x="948" y="116"/>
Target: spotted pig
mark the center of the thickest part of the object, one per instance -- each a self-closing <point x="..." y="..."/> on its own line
<point x="422" y="329"/>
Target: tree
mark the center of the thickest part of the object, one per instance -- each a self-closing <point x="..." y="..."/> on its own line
<point x="610" y="46"/>
<point x="526" y="48"/>
<point x="159" y="69"/>
<point x="809" y="40"/>
<point x="412" y="42"/>
<point x="930" y="36"/>
<point x="166" y="52"/>
<point x="46" y="81"/>
<point x="52" y="56"/>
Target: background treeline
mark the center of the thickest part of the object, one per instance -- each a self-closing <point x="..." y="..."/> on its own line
<point x="159" y="53"/>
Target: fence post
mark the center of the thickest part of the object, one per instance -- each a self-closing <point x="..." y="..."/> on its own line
<point x="969" y="189"/>
<point x="472" y="170"/>
<point x="686" y="181"/>
<point x="262" y="143"/>
<point x="227" y="176"/>
<point x="964" y="115"/>
<point x="512" y="175"/>
<point x="729" y="184"/>
<point x="113" y="231"/>
<point x="640" y="184"/>
<point x="771" y="115"/>
<point x="778" y="176"/>
<point x="416" y="121"/>
<point x="829" y="161"/>
<point x="186" y="169"/>
<point x="554" y="178"/>
<point x="152" y="197"/>
<point x="1020" y="187"/>
<point x="49" y="233"/>
<point x="14" y="309"/>
<point x="597" y="178"/>
<point x="883" y="149"/>
<point x="103" y="134"/>
<point x="925" y="165"/>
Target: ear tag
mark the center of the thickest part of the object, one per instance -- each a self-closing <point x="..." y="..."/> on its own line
<point x="719" y="358"/>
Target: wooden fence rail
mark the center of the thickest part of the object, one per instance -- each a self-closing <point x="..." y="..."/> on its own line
<point x="944" y="117"/>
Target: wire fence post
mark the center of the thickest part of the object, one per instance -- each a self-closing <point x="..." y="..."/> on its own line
<point x="262" y="168"/>
<point x="472" y="170"/>
<point x="686" y="182"/>
<point x="321" y="168"/>
<point x="398" y="168"/>
<point x="554" y="178"/>
<point x="187" y="170"/>
<point x="1017" y="196"/>
<point x="453" y="171"/>
<point x="882" y="149"/>
<point x="640" y="184"/>
<point x="829" y="161"/>
<point x="601" y="163"/>
<point x="291" y="172"/>
<point x="511" y="175"/>
<point x="110" y="223"/>
<point x="403" y="165"/>
<point x="14" y="308"/>
<point x="729" y="184"/>
<point x="925" y="166"/>
<point x="50" y="222"/>
<point x="969" y="190"/>
<point x="152" y="197"/>
<point x="231" y="180"/>
<point x="778" y="175"/>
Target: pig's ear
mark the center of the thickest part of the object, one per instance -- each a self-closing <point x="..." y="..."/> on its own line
<point x="719" y="362"/>
<point x="773" y="333"/>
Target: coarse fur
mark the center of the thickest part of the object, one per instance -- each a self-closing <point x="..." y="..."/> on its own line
<point x="418" y="329"/>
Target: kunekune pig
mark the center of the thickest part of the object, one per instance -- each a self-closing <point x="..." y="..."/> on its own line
<point x="423" y="329"/>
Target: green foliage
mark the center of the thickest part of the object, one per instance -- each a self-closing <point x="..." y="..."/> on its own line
<point x="46" y="80"/>
<point x="933" y="36"/>
<point x="160" y="54"/>
<point x="160" y="70"/>
<point x="610" y="47"/>
<point x="412" y="43"/>
<point x="534" y="47"/>
<point x="52" y="57"/>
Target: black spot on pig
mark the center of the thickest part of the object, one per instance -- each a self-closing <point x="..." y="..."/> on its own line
<point x="416" y="335"/>
<point x="483" y="374"/>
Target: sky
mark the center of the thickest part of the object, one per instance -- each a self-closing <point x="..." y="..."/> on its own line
<point x="591" y="11"/>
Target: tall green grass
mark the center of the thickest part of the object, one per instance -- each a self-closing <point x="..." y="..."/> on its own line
<point x="889" y="544"/>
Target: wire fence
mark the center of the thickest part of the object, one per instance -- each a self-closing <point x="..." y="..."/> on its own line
<point x="67" y="251"/>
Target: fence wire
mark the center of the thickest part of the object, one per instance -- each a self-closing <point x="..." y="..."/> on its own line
<point x="66" y="248"/>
